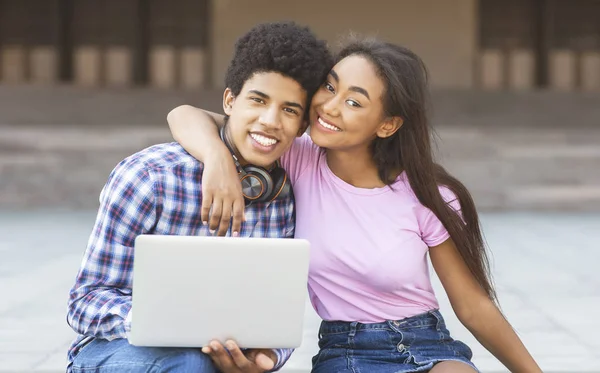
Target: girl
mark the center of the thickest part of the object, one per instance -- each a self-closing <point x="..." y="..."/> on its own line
<point x="373" y="205"/>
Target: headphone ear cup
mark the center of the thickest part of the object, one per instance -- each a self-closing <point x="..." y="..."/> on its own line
<point x="256" y="184"/>
<point x="281" y="184"/>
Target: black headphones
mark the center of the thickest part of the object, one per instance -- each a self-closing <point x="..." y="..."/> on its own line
<point x="258" y="183"/>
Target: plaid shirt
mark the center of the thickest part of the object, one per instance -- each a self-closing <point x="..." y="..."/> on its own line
<point x="155" y="191"/>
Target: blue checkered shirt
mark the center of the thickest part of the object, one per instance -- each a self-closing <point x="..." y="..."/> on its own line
<point x="155" y="191"/>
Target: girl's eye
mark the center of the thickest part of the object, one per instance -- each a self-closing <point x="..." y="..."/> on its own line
<point x="329" y="87"/>
<point x="353" y="103"/>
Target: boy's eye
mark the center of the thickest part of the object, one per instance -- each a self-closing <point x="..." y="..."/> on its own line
<point x="259" y="100"/>
<point x="291" y="111"/>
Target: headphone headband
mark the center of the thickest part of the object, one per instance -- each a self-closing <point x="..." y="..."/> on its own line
<point x="235" y="158"/>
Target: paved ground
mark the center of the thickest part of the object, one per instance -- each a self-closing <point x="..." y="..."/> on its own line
<point x="545" y="266"/>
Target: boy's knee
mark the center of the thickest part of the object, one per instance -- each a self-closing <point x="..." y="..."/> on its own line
<point x="186" y="360"/>
<point x="119" y="355"/>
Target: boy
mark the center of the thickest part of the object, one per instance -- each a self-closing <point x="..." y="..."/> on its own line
<point x="274" y="72"/>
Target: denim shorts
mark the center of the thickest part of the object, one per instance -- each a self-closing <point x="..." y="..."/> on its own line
<point x="414" y="344"/>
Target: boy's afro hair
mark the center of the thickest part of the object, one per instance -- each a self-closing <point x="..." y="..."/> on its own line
<point x="283" y="47"/>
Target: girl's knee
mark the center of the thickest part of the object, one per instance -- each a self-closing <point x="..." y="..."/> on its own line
<point x="452" y="367"/>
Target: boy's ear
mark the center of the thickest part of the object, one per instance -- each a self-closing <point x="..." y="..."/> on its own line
<point x="228" y="100"/>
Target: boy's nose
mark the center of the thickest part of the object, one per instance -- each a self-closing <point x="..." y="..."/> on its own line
<point x="270" y="118"/>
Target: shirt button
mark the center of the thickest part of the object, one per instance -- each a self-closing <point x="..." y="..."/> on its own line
<point x="400" y="347"/>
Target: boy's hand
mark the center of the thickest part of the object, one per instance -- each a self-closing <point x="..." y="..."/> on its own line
<point x="233" y="360"/>
<point x="222" y="192"/>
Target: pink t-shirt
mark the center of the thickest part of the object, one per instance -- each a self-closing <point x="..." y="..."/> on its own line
<point x="368" y="246"/>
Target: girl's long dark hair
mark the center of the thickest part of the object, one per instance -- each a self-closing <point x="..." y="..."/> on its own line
<point x="406" y="96"/>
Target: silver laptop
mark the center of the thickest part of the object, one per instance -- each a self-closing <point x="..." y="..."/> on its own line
<point x="188" y="290"/>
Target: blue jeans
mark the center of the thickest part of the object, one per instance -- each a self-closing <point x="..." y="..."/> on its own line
<point x="414" y="344"/>
<point x="102" y="356"/>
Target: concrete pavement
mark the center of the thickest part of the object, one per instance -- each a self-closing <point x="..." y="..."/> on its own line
<point x="545" y="267"/>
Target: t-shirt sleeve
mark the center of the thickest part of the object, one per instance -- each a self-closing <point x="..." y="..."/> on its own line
<point x="433" y="231"/>
<point x="302" y="154"/>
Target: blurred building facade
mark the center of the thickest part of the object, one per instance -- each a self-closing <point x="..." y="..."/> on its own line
<point x="467" y="44"/>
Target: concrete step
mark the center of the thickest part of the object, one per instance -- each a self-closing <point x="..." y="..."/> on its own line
<point x="49" y="105"/>
<point x="553" y="169"/>
<point x="526" y="168"/>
